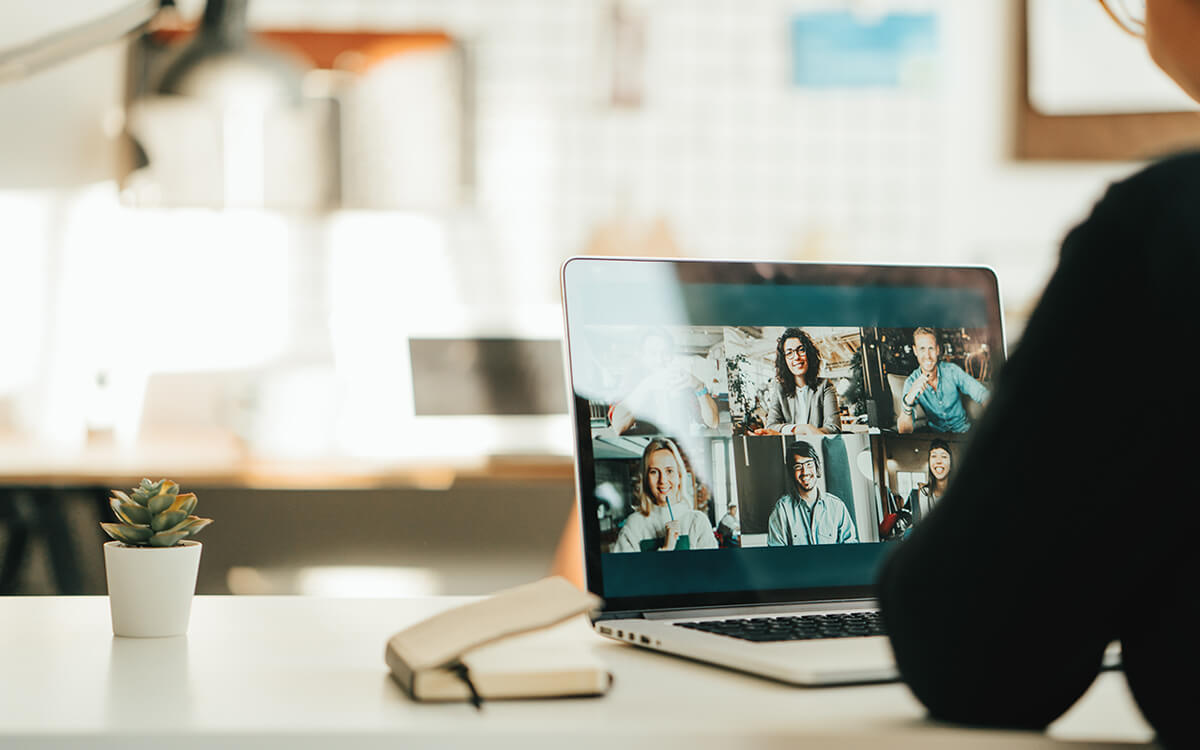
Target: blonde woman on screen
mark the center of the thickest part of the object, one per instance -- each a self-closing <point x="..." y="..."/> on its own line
<point x="664" y="517"/>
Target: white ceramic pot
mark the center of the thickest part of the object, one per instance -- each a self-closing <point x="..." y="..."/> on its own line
<point x="150" y="588"/>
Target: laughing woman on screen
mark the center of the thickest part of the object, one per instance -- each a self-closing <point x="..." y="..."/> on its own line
<point x="664" y="518"/>
<point x="923" y="497"/>
<point x="801" y="402"/>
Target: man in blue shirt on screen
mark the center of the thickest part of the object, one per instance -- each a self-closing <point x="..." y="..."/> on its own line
<point x="806" y="515"/>
<point x="938" y="387"/>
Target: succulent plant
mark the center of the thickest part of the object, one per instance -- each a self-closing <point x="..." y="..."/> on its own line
<point x="154" y="514"/>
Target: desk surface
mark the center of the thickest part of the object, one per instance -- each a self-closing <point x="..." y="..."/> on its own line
<point x="302" y="672"/>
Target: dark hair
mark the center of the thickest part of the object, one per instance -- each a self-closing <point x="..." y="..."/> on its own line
<point x="802" y="448"/>
<point x="813" y="357"/>
<point x="939" y="443"/>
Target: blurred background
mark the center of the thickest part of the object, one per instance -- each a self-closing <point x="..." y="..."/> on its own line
<point x="302" y="255"/>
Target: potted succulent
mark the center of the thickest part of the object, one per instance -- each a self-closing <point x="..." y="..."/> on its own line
<point x="152" y="561"/>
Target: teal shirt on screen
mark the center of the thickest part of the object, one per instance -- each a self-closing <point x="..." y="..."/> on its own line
<point x="943" y="407"/>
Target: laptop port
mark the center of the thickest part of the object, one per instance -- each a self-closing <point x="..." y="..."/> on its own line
<point x="605" y="630"/>
<point x="646" y="640"/>
<point x="620" y="633"/>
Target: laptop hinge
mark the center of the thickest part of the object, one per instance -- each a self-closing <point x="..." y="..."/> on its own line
<point x="761" y="609"/>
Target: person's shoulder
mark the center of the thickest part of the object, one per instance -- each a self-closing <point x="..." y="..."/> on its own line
<point x="1157" y="189"/>
<point x="1154" y="209"/>
<point x="1176" y="171"/>
<point x="833" y="499"/>
<point x="950" y="367"/>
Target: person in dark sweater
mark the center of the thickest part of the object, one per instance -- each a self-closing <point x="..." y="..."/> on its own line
<point x="1002" y="624"/>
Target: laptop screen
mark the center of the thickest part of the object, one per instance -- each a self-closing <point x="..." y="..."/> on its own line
<point x="760" y="432"/>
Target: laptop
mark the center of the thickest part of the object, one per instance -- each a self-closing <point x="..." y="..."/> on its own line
<point x="749" y="447"/>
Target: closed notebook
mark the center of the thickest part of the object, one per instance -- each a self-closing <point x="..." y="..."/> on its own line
<point x="500" y="647"/>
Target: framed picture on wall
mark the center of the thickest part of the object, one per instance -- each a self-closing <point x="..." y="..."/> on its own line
<point x="1089" y="91"/>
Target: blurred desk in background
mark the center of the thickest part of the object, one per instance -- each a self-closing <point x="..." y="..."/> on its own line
<point x="199" y="459"/>
<point x="469" y="523"/>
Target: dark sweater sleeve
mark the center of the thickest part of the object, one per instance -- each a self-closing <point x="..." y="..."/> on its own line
<point x="1002" y="600"/>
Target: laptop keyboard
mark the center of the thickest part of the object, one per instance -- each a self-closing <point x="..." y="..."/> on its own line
<point x="801" y="628"/>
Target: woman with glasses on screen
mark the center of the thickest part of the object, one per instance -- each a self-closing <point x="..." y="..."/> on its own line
<point x="664" y="517"/>
<point x="1001" y="622"/>
<point x="802" y="403"/>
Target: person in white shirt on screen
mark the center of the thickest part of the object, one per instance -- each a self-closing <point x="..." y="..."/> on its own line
<point x="665" y="518"/>
<point x="664" y="396"/>
<point x="806" y="515"/>
<point x="801" y="402"/>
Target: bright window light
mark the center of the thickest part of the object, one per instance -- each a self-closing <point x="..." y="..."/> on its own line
<point x="177" y="290"/>
<point x="99" y="293"/>
<point x="366" y="581"/>
<point x="344" y="581"/>
<point x="23" y="274"/>
<point x="377" y="299"/>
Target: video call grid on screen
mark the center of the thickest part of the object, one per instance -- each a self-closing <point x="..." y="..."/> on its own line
<point x="772" y="432"/>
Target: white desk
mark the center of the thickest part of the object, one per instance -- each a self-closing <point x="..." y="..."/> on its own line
<point x="298" y="672"/>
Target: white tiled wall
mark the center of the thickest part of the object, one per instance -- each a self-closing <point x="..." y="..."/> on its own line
<point x="730" y="157"/>
<point x="723" y="157"/>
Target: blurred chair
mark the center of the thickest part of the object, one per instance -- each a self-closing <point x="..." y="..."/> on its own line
<point x="15" y="524"/>
<point x="32" y="514"/>
<point x="896" y="386"/>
